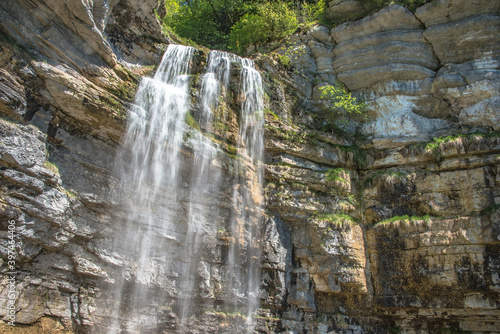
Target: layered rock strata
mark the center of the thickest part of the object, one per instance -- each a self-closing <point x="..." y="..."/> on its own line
<point x="424" y="222"/>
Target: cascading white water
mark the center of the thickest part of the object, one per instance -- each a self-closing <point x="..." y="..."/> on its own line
<point x="244" y="253"/>
<point x="149" y="163"/>
<point x="214" y="83"/>
<point x="159" y="207"/>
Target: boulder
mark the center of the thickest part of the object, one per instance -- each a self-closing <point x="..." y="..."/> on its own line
<point x="344" y="9"/>
<point x="321" y="33"/>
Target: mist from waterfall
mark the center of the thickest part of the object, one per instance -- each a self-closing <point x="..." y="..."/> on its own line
<point x="164" y="254"/>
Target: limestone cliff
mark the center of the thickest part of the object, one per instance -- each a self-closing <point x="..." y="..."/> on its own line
<point x="396" y="230"/>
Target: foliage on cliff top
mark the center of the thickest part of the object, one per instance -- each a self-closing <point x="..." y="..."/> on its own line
<point x="235" y="24"/>
<point x="271" y="21"/>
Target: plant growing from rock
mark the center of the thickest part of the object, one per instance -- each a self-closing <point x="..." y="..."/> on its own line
<point x="345" y="108"/>
<point x="462" y="142"/>
<point x="337" y="174"/>
<point x="406" y="218"/>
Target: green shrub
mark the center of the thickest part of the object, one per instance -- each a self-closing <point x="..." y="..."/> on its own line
<point x="333" y="175"/>
<point x="459" y="141"/>
<point x="284" y="60"/>
<point x="315" y="12"/>
<point x="271" y="21"/>
<point x="206" y="22"/>
<point x="345" y="108"/>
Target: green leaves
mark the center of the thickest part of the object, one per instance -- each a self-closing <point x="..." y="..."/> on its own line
<point x="345" y="108"/>
<point x="271" y="21"/>
<point x="314" y="12"/>
<point x="236" y="24"/>
<point x="207" y="22"/>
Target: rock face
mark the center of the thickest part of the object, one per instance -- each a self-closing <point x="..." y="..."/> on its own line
<point x="342" y="9"/>
<point x="398" y="232"/>
<point x="388" y="45"/>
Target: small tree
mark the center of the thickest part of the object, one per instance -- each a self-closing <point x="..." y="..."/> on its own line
<point x="344" y="108"/>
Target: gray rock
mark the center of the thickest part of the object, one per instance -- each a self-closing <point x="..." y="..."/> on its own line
<point x="343" y="9"/>
<point x="50" y="206"/>
<point x="12" y="95"/>
<point x="470" y="38"/>
<point x="484" y="114"/>
<point x="445" y="11"/>
<point x="301" y="58"/>
<point x="131" y="27"/>
<point x="321" y="33"/>
<point x="385" y="72"/>
<point x="23" y="179"/>
<point x="320" y="50"/>
<point x="393" y="17"/>
<point x="301" y="293"/>
<point x="396" y="118"/>
<point x="47" y="23"/>
<point x="397" y="87"/>
<point x="21" y="145"/>
<point x="447" y="81"/>
<point x="364" y="61"/>
<point x="465" y="96"/>
<point x="324" y="64"/>
<point x="43" y="25"/>
<point x="485" y="68"/>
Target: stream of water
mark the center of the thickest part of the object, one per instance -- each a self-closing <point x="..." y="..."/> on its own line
<point x="167" y="205"/>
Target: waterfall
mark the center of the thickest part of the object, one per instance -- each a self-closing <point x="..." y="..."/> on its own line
<point x="149" y="164"/>
<point x="247" y="197"/>
<point x="169" y="174"/>
<point x="215" y="81"/>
